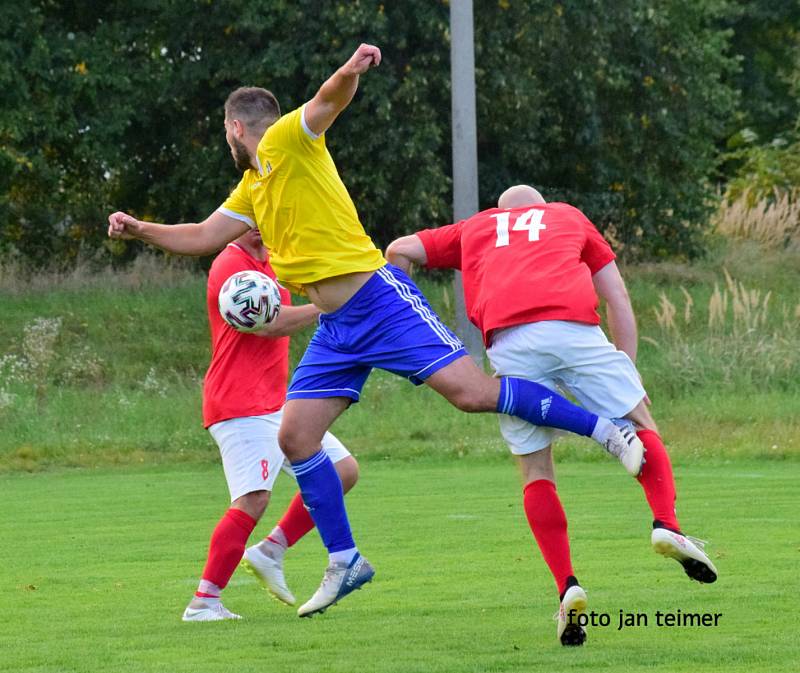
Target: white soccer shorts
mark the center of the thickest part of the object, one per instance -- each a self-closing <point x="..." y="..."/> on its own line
<point x="568" y="356"/>
<point x="250" y="453"/>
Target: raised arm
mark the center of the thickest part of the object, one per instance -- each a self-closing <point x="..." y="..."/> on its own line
<point x="405" y="251"/>
<point x="203" y="238"/>
<point x="337" y="92"/>
<point x="610" y="286"/>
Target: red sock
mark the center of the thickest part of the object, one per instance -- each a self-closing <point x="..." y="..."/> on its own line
<point x="296" y="520"/>
<point x="549" y="525"/>
<point x="657" y="481"/>
<point x="227" y="546"/>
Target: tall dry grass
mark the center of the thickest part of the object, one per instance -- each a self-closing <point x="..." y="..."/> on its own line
<point x="773" y="222"/>
<point x="739" y="337"/>
<point x="147" y="270"/>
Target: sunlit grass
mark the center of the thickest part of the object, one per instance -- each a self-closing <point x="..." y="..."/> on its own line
<point x="98" y="566"/>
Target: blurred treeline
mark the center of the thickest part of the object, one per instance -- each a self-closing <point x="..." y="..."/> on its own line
<point x="642" y="113"/>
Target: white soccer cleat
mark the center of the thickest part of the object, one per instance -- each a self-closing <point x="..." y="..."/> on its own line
<point x="202" y="610"/>
<point x="340" y="579"/>
<point x="569" y="631"/>
<point x="268" y="570"/>
<point x="624" y="444"/>
<point x="686" y="550"/>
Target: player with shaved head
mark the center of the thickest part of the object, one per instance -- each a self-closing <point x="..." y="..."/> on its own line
<point x="532" y="271"/>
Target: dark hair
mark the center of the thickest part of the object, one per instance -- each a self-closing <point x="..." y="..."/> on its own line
<point x="257" y="108"/>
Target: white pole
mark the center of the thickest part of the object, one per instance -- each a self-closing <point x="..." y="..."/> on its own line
<point x="465" y="148"/>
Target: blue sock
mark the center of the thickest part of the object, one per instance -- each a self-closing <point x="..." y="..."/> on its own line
<point x="539" y="405"/>
<point x="323" y="497"/>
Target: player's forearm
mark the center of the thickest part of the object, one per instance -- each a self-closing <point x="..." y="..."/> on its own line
<point x="622" y="326"/>
<point x="180" y="239"/>
<point x="291" y="320"/>
<point x="337" y="92"/>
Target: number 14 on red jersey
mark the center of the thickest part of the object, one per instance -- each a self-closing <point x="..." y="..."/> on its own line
<point x="530" y="221"/>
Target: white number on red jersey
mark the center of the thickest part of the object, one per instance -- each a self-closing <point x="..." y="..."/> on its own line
<point x="530" y="221"/>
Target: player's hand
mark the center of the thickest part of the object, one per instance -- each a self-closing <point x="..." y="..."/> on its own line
<point x="123" y="226"/>
<point x="365" y="57"/>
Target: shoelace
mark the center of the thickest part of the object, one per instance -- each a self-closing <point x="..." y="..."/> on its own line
<point x="330" y="575"/>
<point x="610" y="443"/>
<point x="628" y="434"/>
<point x="557" y="614"/>
<point x="697" y="541"/>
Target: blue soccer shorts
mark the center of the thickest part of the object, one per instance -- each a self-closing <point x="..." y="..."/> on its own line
<point x="387" y="324"/>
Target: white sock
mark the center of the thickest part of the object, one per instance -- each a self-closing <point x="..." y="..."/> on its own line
<point x="274" y="545"/>
<point x="278" y="537"/>
<point x="206" y="587"/>
<point x="343" y="556"/>
<point x="602" y="430"/>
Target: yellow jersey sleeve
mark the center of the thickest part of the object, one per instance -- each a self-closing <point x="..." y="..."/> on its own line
<point x="305" y="215"/>
<point x="291" y="133"/>
<point x="239" y="205"/>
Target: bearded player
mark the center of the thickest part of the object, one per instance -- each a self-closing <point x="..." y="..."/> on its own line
<point x="372" y="313"/>
<point x="531" y="272"/>
<point x="243" y="392"/>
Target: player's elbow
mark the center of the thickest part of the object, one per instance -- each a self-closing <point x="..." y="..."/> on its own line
<point x="405" y="251"/>
<point x="394" y="251"/>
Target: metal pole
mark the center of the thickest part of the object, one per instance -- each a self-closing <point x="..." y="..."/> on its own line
<point x="465" y="149"/>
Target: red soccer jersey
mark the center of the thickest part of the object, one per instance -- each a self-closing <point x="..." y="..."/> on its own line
<point x="523" y="265"/>
<point x="248" y="373"/>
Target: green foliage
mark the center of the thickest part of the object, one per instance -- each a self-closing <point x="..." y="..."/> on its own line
<point x="763" y="156"/>
<point x="765" y="170"/>
<point x="613" y="105"/>
<point x="766" y="39"/>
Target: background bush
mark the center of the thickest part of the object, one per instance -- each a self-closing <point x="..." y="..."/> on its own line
<point x="620" y="107"/>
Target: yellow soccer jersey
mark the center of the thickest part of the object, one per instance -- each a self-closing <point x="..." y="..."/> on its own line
<point x="301" y="207"/>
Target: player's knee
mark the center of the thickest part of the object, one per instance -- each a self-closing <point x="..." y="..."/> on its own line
<point x="468" y="400"/>
<point x="253" y="503"/>
<point x="260" y="502"/>
<point x="347" y="469"/>
<point x="292" y="441"/>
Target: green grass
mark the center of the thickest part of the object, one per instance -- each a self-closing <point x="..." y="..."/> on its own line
<point x="394" y="420"/>
<point x="106" y="368"/>
<point x="99" y="564"/>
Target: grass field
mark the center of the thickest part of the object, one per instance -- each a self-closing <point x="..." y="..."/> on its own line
<point x="97" y="567"/>
<point x="102" y="372"/>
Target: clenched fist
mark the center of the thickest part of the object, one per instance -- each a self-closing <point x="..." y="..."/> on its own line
<point x="123" y="226"/>
<point x="364" y="58"/>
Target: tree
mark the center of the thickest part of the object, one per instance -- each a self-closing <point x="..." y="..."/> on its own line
<point x="615" y="106"/>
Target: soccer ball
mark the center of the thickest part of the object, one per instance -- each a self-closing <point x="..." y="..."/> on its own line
<point x="249" y="300"/>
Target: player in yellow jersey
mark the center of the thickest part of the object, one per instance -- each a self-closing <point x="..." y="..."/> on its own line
<point x="373" y="314"/>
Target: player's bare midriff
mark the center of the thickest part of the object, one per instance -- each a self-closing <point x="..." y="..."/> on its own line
<point x="330" y="294"/>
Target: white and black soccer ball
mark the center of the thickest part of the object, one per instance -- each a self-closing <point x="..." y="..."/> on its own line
<point x="249" y="300"/>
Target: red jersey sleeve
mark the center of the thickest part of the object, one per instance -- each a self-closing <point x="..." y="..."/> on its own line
<point x="443" y="246"/>
<point x="223" y="268"/>
<point x="596" y="251"/>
